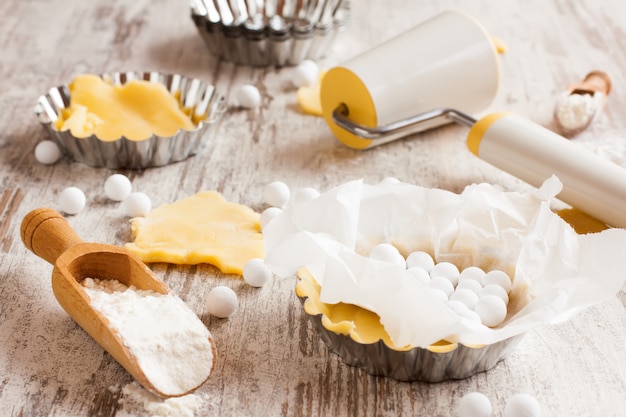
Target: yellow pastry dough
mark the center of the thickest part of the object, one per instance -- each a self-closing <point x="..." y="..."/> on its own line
<point x="135" y="110"/>
<point x="361" y="325"/>
<point x="581" y="222"/>
<point x="203" y="228"/>
<point x="309" y="97"/>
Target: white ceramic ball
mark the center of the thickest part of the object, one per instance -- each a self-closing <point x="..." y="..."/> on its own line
<point x="117" y="187"/>
<point x="221" y="301"/>
<point x="471" y="316"/>
<point x="470" y="284"/>
<point x="491" y="310"/>
<point x="465" y="296"/>
<point x="388" y="253"/>
<point x="268" y="215"/>
<point x="72" y="200"/>
<point x="256" y="273"/>
<point x="522" y="405"/>
<point x="442" y="284"/>
<point x="305" y="74"/>
<point x="420" y="259"/>
<point x="305" y="194"/>
<point x="390" y="181"/>
<point x="137" y="204"/>
<point x="457" y="306"/>
<point x="248" y="96"/>
<point x="498" y="277"/>
<point x="276" y="193"/>
<point x="419" y="274"/>
<point x="473" y="273"/>
<point x="494" y="289"/>
<point x="447" y="270"/>
<point x="474" y="404"/>
<point x="47" y="152"/>
<point x="438" y="294"/>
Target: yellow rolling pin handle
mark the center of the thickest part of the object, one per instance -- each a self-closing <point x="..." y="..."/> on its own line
<point x="533" y="153"/>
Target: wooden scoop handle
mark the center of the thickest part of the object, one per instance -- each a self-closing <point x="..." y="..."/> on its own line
<point x="595" y="81"/>
<point x="47" y="234"/>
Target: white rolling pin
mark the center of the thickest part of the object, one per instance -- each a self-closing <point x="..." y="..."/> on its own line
<point x="411" y="83"/>
<point x="533" y="153"/>
<point x="449" y="60"/>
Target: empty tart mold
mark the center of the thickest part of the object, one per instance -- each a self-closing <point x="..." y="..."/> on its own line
<point x="268" y="33"/>
<point x="198" y="99"/>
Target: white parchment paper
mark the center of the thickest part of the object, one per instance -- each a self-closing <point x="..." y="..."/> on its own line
<point x="557" y="272"/>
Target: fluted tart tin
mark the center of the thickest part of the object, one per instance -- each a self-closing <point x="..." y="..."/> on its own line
<point x="197" y="98"/>
<point x="380" y="314"/>
<point x="436" y="363"/>
<point x="267" y="33"/>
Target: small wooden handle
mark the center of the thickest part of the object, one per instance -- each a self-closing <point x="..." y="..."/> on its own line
<point x="47" y="234"/>
<point x="595" y="81"/>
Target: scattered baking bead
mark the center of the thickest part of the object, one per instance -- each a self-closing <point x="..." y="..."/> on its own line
<point x="419" y="274"/>
<point x="472" y="273"/>
<point x="465" y="296"/>
<point x="474" y="404"/>
<point x="268" y="215"/>
<point x="276" y="193"/>
<point x="447" y="270"/>
<point x="491" y="310"/>
<point x="248" y="96"/>
<point x="470" y="284"/>
<point x="72" y="200"/>
<point x="388" y="253"/>
<point x="442" y="284"/>
<point x="47" y="152"/>
<point x="305" y="74"/>
<point x="494" y="289"/>
<point x="221" y="301"/>
<point x="256" y="273"/>
<point x="498" y="277"/>
<point x="420" y="259"/>
<point x="117" y="187"/>
<point x="305" y="194"/>
<point x="522" y="405"/>
<point x="137" y="204"/>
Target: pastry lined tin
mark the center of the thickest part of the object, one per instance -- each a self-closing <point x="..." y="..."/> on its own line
<point x="377" y="316"/>
<point x="434" y="364"/>
<point x="196" y="98"/>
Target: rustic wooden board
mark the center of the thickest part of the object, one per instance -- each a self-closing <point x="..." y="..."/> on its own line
<point x="270" y="361"/>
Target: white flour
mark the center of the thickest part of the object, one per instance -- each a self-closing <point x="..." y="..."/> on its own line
<point x="576" y="110"/>
<point x="170" y="342"/>
<point x="136" y="399"/>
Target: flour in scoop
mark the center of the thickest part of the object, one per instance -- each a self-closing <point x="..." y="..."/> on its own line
<point x="169" y="341"/>
<point x="575" y="111"/>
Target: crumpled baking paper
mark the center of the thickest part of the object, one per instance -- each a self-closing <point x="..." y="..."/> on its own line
<point x="557" y="272"/>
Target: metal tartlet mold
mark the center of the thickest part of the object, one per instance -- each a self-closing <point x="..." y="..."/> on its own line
<point x="264" y="33"/>
<point x="197" y="99"/>
<point x="441" y="363"/>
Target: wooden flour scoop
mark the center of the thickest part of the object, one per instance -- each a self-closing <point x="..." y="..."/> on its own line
<point x="48" y="235"/>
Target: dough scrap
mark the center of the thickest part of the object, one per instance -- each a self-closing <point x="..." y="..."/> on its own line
<point x="203" y="228"/>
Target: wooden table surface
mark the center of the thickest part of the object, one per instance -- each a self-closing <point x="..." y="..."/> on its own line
<point x="270" y="361"/>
